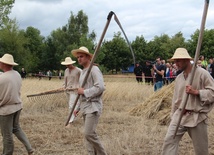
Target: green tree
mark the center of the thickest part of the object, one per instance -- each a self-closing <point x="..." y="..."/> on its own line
<point x="117" y="54"/>
<point x="139" y="47"/>
<point x="154" y="49"/>
<point x="13" y="41"/>
<point x="208" y="43"/>
<point x="207" y="46"/>
<point x="57" y="49"/>
<point x="5" y="10"/>
<point x="172" y="44"/>
<point x="71" y="36"/>
<point x="77" y="26"/>
<point x="35" y="46"/>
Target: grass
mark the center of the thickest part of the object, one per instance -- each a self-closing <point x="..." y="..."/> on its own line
<point x="43" y="120"/>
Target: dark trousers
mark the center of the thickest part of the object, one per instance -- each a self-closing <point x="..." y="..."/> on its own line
<point x="139" y="78"/>
<point x="9" y="125"/>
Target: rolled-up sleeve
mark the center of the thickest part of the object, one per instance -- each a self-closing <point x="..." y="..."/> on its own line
<point x="207" y="94"/>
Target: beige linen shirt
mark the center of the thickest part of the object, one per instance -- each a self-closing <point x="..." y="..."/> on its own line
<point x="71" y="78"/>
<point x="201" y="104"/>
<point x="91" y="101"/>
<point x="10" y="85"/>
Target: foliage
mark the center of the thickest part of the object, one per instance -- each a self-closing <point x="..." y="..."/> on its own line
<point x="117" y="54"/>
<point x="13" y="41"/>
<point x="5" y="9"/>
<point x="71" y="36"/>
<point x="139" y="46"/>
<point x="207" y="46"/>
<point x="34" y="46"/>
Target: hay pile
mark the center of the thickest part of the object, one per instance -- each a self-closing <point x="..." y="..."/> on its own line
<point x="157" y="106"/>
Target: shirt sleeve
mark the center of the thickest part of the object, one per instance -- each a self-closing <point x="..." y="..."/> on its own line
<point x="207" y="94"/>
<point x="97" y="84"/>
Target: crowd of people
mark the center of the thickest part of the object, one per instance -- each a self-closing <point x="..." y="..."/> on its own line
<point x="160" y="72"/>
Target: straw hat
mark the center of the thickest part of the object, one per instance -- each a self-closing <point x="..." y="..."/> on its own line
<point x="8" y="59"/>
<point x="181" y="53"/>
<point x="68" y="61"/>
<point x="81" y="50"/>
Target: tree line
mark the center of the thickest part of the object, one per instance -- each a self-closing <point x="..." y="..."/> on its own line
<point x="37" y="53"/>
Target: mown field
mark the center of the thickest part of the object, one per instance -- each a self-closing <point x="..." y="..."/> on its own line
<point x="43" y="120"/>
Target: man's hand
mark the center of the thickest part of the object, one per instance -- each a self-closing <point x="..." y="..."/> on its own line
<point x="190" y="90"/>
<point x="80" y="91"/>
<point x="76" y="112"/>
<point x="154" y="67"/>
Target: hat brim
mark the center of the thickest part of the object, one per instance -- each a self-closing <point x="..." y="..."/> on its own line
<point x="68" y="63"/>
<point x="172" y="59"/>
<point x="8" y="63"/>
<point x="76" y="51"/>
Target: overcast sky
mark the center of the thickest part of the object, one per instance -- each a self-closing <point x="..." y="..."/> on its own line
<point x="137" y="17"/>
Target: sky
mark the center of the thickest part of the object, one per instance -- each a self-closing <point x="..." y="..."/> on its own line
<point x="147" y="18"/>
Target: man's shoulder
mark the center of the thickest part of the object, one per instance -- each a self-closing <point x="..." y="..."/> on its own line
<point x="94" y="67"/>
<point x="201" y="72"/>
<point x="10" y="74"/>
<point x="160" y="67"/>
<point x="78" y="69"/>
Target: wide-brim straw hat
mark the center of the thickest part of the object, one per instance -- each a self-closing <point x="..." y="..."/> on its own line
<point x="68" y="61"/>
<point x="8" y="59"/>
<point x="181" y="53"/>
<point x="81" y="50"/>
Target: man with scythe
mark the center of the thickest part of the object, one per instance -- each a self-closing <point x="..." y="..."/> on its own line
<point x="90" y="100"/>
<point x="199" y="104"/>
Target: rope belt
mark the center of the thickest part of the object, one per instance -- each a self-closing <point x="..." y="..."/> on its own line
<point x="186" y="111"/>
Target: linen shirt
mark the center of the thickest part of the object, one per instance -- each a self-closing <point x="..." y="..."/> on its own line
<point x="94" y="87"/>
<point x="71" y="78"/>
<point x="10" y="85"/>
<point x="201" y="104"/>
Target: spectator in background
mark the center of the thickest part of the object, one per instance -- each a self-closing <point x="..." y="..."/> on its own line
<point x="138" y="71"/>
<point x="199" y="63"/>
<point x="60" y="75"/>
<point x="159" y="73"/>
<point x="169" y="74"/>
<point x="175" y="71"/>
<point x="49" y="74"/>
<point x="203" y="62"/>
<point x="23" y="73"/>
<point x="40" y="75"/>
<point x="163" y="62"/>
<point x="148" y="73"/>
<point x="209" y="65"/>
<point x="212" y="69"/>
